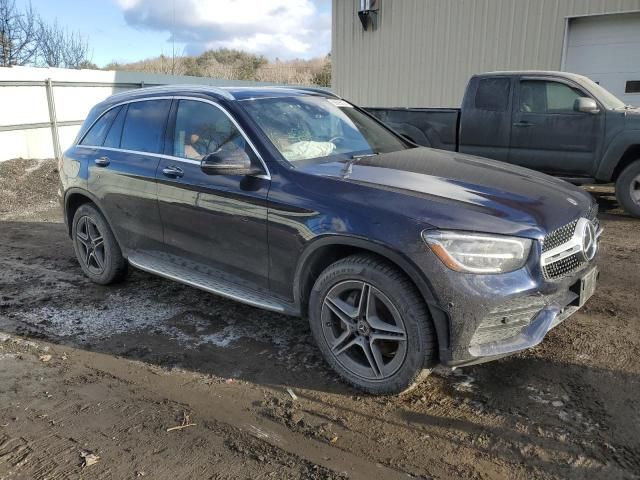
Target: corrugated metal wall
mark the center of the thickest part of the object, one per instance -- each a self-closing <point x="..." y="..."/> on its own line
<point x="424" y="51"/>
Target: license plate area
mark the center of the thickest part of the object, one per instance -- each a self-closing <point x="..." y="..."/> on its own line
<point x="588" y="286"/>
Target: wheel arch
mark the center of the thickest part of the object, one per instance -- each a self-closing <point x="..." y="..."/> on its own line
<point x="631" y="155"/>
<point x="620" y="153"/>
<point x="76" y="197"/>
<point x="327" y="250"/>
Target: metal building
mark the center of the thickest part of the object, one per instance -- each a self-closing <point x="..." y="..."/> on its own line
<point x="420" y="53"/>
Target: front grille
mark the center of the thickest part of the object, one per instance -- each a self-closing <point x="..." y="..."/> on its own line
<point x="563" y="267"/>
<point x="561" y="236"/>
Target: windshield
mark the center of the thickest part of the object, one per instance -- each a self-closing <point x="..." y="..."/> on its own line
<point x="609" y="100"/>
<point x="309" y="127"/>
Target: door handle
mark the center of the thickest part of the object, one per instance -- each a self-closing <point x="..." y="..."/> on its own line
<point x="102" y="161"/>
<point x="524" y="124"/>
<point x="173" y="172"/>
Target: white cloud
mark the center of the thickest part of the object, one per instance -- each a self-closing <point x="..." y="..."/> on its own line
<point x="276" y="28"/>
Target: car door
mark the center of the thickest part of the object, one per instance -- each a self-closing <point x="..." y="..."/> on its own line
<point x="123" y="169"/>
<point x="485" y="122"/>
<point x="548" y="134"/>
<point x="216" y="224"/>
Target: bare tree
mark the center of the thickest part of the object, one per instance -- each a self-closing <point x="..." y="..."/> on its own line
<point x="58" y="47"/>
<point x="18" y="34"/>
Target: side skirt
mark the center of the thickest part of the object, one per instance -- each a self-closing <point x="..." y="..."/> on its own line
<point x="207" y="280"/>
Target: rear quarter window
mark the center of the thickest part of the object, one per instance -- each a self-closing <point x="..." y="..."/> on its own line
<point x="115" y="131"/>
<point x="493" y="94"/>
<point x="144" y="126"/>
<point x="95" y="135"/>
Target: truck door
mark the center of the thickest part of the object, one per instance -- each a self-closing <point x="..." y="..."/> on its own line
<point x="548" y="134"/>
<point x="485" y="122"/>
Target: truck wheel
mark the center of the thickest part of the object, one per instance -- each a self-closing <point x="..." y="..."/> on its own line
<point x="628" y="189"/>
<point x="96" y="248"/>
<point x="371" y="325"/>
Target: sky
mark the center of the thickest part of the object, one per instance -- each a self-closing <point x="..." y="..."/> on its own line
<point x="131" y="30"/>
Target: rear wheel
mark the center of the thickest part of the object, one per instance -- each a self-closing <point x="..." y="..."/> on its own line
<point x="96" y="248"/>
<point x="628" y="189"/>
<point x="371" y="325"/>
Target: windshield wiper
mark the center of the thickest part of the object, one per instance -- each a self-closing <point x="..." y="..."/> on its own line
<point x="355" y="159"/>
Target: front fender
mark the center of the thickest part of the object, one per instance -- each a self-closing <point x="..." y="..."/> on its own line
<point x="402" y="261"/>
<point x="385" y="251"/>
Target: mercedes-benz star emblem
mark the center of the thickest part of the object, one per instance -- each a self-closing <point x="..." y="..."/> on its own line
<point x="589" y="240"/>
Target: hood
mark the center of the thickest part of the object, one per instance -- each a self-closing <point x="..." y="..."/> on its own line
<point x="632" y="118"/>
<point x="450" y="190"/>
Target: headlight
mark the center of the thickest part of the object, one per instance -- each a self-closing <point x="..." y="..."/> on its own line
<point x="473" y="253"/>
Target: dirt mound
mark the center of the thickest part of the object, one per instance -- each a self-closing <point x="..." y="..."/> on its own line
<point x="28" y="190"/>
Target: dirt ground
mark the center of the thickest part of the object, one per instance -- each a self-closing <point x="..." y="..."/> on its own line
<point x="92" y="378"/>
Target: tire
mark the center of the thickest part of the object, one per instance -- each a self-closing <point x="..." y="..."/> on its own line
<point x="395" y="326"/>
<point x="628" y="189"/>
<point x="96" y="247"/>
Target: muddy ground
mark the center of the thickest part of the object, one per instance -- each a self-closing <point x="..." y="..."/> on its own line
<point x="91" y="378"/>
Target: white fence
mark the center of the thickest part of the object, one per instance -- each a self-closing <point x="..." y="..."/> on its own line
<point x="41" y="109"/>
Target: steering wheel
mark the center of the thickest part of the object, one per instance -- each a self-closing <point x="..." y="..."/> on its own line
<point x="338" y="139"/>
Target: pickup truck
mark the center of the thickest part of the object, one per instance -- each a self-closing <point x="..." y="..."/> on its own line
<point x="558" y="123"/>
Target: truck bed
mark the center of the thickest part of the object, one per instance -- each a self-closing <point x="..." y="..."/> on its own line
<point x="430" y="127"/>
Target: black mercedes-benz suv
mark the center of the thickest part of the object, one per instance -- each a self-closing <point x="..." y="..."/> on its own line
<point x="297" y="201"/>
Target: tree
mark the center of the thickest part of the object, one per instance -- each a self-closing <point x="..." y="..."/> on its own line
<point x="58" y="47"/>
<point x="88" y="65"/>
<point x="18" y="34"/>
<point x="323" y="77"/>
<point x="243" y="64"/>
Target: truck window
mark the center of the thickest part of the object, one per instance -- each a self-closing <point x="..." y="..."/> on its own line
<point x="539" y="96"/>
<point x="493" y="94"/>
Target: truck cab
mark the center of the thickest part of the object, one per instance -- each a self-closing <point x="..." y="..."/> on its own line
<point x="558" y="123"/>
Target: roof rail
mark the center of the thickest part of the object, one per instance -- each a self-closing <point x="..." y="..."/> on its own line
<point x="173" y="87"/>
<point x="318" y="90"/>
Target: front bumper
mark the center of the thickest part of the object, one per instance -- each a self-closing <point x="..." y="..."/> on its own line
<point x="530" y="336"/>
<point x="480" y="318"/>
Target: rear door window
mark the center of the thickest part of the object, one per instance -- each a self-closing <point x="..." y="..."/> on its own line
<point x="144" y="126"/>
<point x="95" y="135"/>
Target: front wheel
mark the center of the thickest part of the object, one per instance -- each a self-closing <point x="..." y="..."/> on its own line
<point x="628" y="189"/>
<point x="371" y="325"/>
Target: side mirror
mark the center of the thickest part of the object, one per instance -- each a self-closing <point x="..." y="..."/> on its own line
<point x="586" y="105"/>
<point x="235" y="162"/>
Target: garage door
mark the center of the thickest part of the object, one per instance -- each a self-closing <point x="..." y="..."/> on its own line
<point x="606" y="48"/>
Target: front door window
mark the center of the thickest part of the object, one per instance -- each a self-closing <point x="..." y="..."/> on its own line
<point x="202" y="128"/>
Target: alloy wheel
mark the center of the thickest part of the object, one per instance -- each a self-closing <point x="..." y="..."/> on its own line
<point x="364" y="330"/>
<point x="91" y="245"/>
